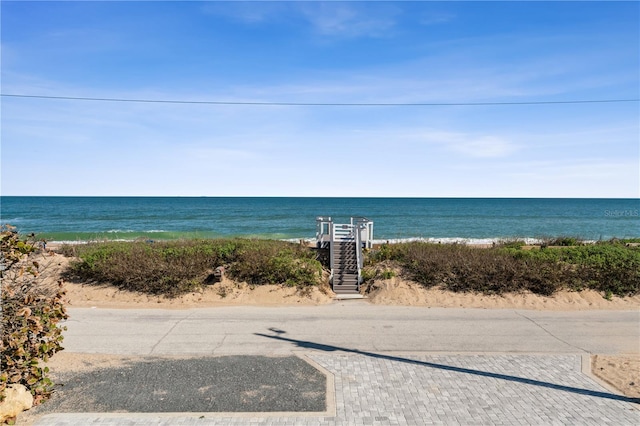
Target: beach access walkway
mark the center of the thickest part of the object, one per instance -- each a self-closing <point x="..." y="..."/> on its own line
<point x="348" y="363"/>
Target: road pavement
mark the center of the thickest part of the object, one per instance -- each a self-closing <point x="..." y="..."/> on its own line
<point x="382" y="365"/>
<point x="349" y="324"/>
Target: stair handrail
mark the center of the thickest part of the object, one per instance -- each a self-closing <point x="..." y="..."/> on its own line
<point x="321" y="236"/>
<point x="352" y="233"/>
<point x="362" y="223"/>
<point x="331" y="251"/>
<point x="334" y="230"/>
<point x="358" y="257"/>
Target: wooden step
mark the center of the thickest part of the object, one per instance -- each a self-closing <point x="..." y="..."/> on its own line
<point x="344" y="275"/>
<point x="344" y="282"/>
<point x="345" y="266"/>
<point x="346" y="290"/>
<point x="345" y="278"/>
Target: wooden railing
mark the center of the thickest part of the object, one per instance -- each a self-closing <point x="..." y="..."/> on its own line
<point x="360" y="229"/>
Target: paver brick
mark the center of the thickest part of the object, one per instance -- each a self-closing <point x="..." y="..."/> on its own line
<point x="439" y="389"/>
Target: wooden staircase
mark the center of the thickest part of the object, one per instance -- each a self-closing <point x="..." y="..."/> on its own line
<point x="346" y="279"/>
<point x="345" y="243"/>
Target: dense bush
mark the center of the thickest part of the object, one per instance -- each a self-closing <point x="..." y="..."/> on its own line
<point x="276" y="262"/>
<point x="461" y="268"/>
<point x="176" y="267"/>
<point x="172" y="268"/>
<point x="31" y="312"/>
<point x="607" y="267"/>
<point x="562" y="241"/>
<point x="169" y="268"/>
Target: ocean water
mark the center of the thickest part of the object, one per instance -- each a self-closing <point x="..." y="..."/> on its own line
<point x="478" y="220"/>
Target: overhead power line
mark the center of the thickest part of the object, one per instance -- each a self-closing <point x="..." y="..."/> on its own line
<point x="407" y="104"/>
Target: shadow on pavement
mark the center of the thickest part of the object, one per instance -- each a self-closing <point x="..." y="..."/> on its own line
<point x="329" y="348"/>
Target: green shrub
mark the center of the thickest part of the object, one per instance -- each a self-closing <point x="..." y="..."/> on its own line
<point x="276" y="262"/>
<point x="388" y="274"/>
<point x="172" y="268"/>
<point x="371" y="272"/>
<point x="514" y="244"/>
<point x="175" y="267"/>
<point x="606" y="267"/>
<point x="568" y="241"/>
<point x="631" y="240"/>
<point x="386" y="252"/>
<point x="461" y="268"/>
<point x="31" y="312"/>
<point x="368" y="273"/>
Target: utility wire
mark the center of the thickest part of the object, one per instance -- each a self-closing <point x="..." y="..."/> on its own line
<point x="417" y="104"/>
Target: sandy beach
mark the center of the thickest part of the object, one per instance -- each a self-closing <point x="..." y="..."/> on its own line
<point x="621" y="371"/>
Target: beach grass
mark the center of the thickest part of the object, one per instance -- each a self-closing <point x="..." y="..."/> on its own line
<point x="172" y="268"/>
<point x="611" y="267"/>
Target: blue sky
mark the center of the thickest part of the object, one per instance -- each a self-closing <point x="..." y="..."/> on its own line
<point x="329" y="52"/>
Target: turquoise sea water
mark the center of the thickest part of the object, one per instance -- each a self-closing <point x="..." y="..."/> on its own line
<point x="441" y="219"/>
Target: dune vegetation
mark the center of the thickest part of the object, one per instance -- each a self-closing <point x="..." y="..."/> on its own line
<point x="172" y="268"/>
<point x="611" y="267"/>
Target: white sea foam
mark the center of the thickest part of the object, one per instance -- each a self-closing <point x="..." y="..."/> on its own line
<point x="298" y="240"/>
<point x="69" y="242"/>
<point x="437" y="240"/>
<point x="89" y="241"/>
<point x="432" y="240"/>
<point x="131" y="231"/>
<point x="457" y="240"/>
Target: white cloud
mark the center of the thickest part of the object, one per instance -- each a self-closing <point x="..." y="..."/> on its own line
<point x="337" y="19"/>
<point x="434" y="18"/>
<point x="469" y="145"/>
<point x="350" y="19"/>
<point x="484" y="147"/>
<point x="248" y="150"/>
<point x="249" y="12"/>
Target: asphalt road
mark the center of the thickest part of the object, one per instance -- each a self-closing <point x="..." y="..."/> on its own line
<point x="348" y="326"/>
